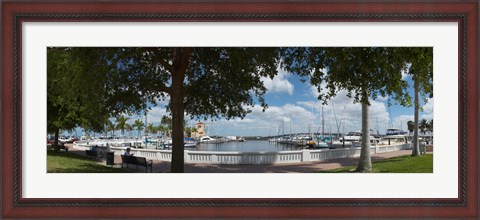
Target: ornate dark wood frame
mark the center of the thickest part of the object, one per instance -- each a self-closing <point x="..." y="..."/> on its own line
<point x="14" y="13"/>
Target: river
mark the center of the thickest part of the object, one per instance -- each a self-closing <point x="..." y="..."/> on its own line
<point x="247" y="146"/>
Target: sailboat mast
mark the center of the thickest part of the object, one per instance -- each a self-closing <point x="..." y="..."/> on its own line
<point x="323" y="122"/>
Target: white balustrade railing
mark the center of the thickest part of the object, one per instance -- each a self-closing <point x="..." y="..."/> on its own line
<point x="226" y="157"/>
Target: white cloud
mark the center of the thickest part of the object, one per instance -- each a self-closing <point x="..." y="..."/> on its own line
<point x="305" y="116"/>
<point x="428" y="107"/>
<point x="401" y="121"/>
<point x="279" y="83"/>
<point x="427" y="113"/>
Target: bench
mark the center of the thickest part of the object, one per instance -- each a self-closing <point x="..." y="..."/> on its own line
<point x="91" y="154"/>
<point x="61" y="146"/>
<point x="138" y="161"/>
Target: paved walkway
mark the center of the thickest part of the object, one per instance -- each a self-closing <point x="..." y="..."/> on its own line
<point x="307" y="167"/>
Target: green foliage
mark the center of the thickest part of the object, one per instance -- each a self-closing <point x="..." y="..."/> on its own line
<point x="423" y="126"/>
<point x="110" y="126"/>
<point x="129" y="129"/>
<point x="430" y="126"/>
<point x="218" y="81"/>
<point x="190" y="130"/>
<point x="83" y="89"/>
<point x="138" y="124"/>
<point x="151" y="128"/>
<point x="421" y="69"/>
<point x="121" y="124"/>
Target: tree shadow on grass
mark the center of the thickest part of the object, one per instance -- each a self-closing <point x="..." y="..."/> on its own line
<point x="90" y="168"/>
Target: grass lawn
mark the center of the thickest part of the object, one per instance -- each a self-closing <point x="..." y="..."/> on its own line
<point x="402" y="164"/>
<point x="62" y="162"/>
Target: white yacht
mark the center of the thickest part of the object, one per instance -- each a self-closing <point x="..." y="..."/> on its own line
<point x="209" y="140"/>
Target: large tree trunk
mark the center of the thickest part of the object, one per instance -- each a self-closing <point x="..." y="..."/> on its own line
<point x="416" y="147"/>
<point x="177" y="134"/>
<point x="181" y="57"/>
<point x="365" y="162"/>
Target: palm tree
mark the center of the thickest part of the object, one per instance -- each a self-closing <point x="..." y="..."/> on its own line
<point x="421" y="70"/>
<point x="151" y="128"/>
<point x="110" y="126"/>
<point x="423" y="126"/>
<point x="160" y="128"/>
<point x="190" y="130"/>
<point x="121" y="124"/>
<point x="430" y="127"/>
<point x="138" y="124"/>
<point x="129" y="128"/>
<point x="166" y="122"/>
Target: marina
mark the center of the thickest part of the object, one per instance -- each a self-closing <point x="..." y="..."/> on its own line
<point x="292" y="142"/>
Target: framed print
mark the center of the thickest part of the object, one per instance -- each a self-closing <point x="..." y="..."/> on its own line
<point x="34" y="32"/>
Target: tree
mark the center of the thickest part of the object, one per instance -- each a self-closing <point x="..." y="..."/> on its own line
<point x="166" y="124"/>
<point x="430" y="127"/>
<point x="411" y="126"/>
<point x="190" y="130"/>
<point x="73" y="98"/>
<point x="421" y="70"/>
<point x="423" y="126"/>
<point x="365" y="73"/>
<point x="121" y="124"/>
<point x="202" y="82"/>
<point x="84" y="89"/>
<point x="138" y="124"/>
<point x="151" y="128"/>
<point x="129" y="129"/>
<point x="110" y="126"/>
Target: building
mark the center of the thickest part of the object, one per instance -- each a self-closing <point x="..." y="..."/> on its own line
<point x="200" y="126"/>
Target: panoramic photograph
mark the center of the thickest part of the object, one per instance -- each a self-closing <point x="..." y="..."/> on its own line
<point x="239" y="110"/>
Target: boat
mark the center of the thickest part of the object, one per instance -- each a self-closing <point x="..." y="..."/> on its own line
<point x="340" y="143"/>
<point x="210" y="140"/>
<point x="110" y="142"/>
<point x="395" y="139"/>
<point x="301" y="140"/>
<point x="353" y="136"/>
<point x="322" y="141"/>
<point x="395" y="131"/>
<point x="189" y="142"/>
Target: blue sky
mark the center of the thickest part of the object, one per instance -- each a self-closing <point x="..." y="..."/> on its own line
<point x="293" y="107"/>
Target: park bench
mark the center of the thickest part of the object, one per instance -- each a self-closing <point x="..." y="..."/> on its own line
<point x="91" y="154"/>
<point x="61" y="146"/>
<point x="138" y="161"/>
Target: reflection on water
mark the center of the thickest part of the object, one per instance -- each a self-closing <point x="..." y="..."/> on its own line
<point x="247" y="146"/>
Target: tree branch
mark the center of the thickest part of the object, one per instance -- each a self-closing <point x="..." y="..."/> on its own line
<point x="160" y="59"/>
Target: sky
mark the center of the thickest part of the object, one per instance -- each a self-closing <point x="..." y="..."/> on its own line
<point x="294" y="108"/>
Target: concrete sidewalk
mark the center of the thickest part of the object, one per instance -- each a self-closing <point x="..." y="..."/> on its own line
<point x="307" y="167"/>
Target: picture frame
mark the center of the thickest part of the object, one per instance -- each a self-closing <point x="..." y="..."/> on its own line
<point x="465" y="13"/>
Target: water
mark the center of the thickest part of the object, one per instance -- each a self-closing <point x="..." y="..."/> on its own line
<point x="247" y="146"/>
